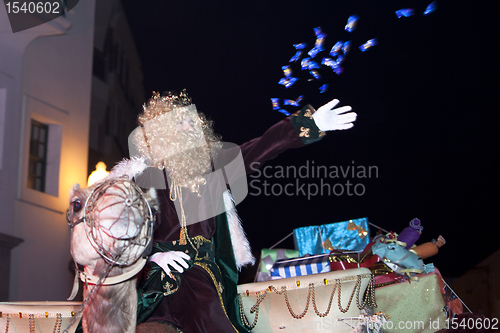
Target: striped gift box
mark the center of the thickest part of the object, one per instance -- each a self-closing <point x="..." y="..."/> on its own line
<point x="300" y="266"/>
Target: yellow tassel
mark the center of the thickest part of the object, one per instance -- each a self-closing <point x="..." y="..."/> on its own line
<point x="183" y="240"/>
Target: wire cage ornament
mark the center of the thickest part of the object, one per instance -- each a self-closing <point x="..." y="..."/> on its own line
<point x="119" y="221"/>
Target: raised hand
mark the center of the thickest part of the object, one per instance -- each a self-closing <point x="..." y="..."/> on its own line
<point x="327" y="118"/>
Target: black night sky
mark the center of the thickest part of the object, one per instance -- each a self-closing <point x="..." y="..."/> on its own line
<point x="424" y="98"/>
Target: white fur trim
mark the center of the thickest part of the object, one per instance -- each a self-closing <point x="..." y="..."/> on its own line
<point x="130" y="168"/>
<point x="241" y="246"/>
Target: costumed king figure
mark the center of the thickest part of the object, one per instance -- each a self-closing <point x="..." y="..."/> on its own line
<point x="199" y="245"/>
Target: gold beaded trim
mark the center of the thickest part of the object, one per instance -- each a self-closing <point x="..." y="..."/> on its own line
<point x="20" y="315"/>
<point x="368" y="298"/>
<point x="31" y="322"/>
<point x="298" y="285"/>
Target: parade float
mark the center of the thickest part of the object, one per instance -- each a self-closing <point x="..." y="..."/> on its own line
<point x="339" y="278"/>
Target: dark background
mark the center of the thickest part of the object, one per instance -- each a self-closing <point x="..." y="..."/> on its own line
<point x="425" y="98"/>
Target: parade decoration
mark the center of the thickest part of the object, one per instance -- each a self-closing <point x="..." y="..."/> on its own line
<point x="313" y="63"/>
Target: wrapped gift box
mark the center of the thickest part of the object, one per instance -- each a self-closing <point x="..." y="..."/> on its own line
<point x="348" y="235"/>
<point x="340" y="259"/>
<point x="414" y="305"/>
<point x="39" y="317"/>
<point x="267" y="259"/>
<point x="283" y="269"/>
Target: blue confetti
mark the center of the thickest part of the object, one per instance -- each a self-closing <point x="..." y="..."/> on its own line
<point x="276" y="103"/>
<point x="292" y="102"/>
<point x="340" y="60"/>
<point x="319" y="33"/>
<point x="329" y="62"/>
<point x="300" y="46"/>
<point x="316" y="75"/>
<point x="368" y="44"/>
<point x="304" y="64"/>
<point x="318" y="45"/>
<point x="286" y="113"/>
<point x="323" y="88"/>
<point x="314" y="51"/>
<point x="336" y="48"/>
<point x="351" y="23"/>
<point x="338" y="70"/>
<point x="405" y="12"/>
<point x="287" y="71"/>
<point x="296" y="56"/>
<point x="346" y="47"/>
<point x="288" y="81"/>
<point x="312" y="65"/>
<point x="430" y="8"/>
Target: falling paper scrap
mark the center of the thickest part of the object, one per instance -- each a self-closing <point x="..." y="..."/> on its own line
<point x="430" y="8"/>
<point x="276" y="103"/>
<point x="312" y="65"/>
<point x="287" y="71"/>
<point x="316" y="74"/>
<point x="318" y="45"/>
<point x="340" y="60"/>
<point x="314" y="51"/>
<point x="405" y="12"/>
<point x="296" y="56"/>
<point x="308" y="63"/>
<point x="336" y="48"/>
<point x="351" y="23"/>
<point x="368" y="44"/>
<point x="304" y="64"/>
<point x="292" y="102"/>
<point x="346" y="47"/>
<point x="319" y="33"/>
<point x="288" y="82"/>
<point x="329" y="62"/>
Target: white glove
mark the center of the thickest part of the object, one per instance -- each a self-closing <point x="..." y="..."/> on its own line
<point x="329" y="119"/>
<point x="175" y="259"/>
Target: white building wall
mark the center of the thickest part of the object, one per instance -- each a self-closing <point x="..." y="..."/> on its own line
<point x="46" y="75"/>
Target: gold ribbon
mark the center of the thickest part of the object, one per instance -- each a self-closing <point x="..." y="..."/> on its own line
<point x="343" y="257"/>
<point x="362" y="233"/>
<point x="327" y="245"/>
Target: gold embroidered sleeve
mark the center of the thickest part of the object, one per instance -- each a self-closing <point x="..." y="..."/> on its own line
<point x="305" y="126"/>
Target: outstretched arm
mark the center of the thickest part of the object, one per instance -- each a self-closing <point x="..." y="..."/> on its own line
<point x="303" y="127"/>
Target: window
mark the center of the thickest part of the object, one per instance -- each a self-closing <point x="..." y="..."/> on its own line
<point x="99" y="65"/>
<point x="38" y="156"/>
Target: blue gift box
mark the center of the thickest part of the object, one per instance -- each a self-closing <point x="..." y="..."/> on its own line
<point x="300" y="266"/>
<point x="267" y="259"/>
<point x="351" y="235"/>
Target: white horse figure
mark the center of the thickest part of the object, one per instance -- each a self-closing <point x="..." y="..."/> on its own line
<point x="111" y="228"/>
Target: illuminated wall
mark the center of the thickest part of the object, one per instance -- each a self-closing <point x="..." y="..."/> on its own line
<point x="45" y="75"/>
